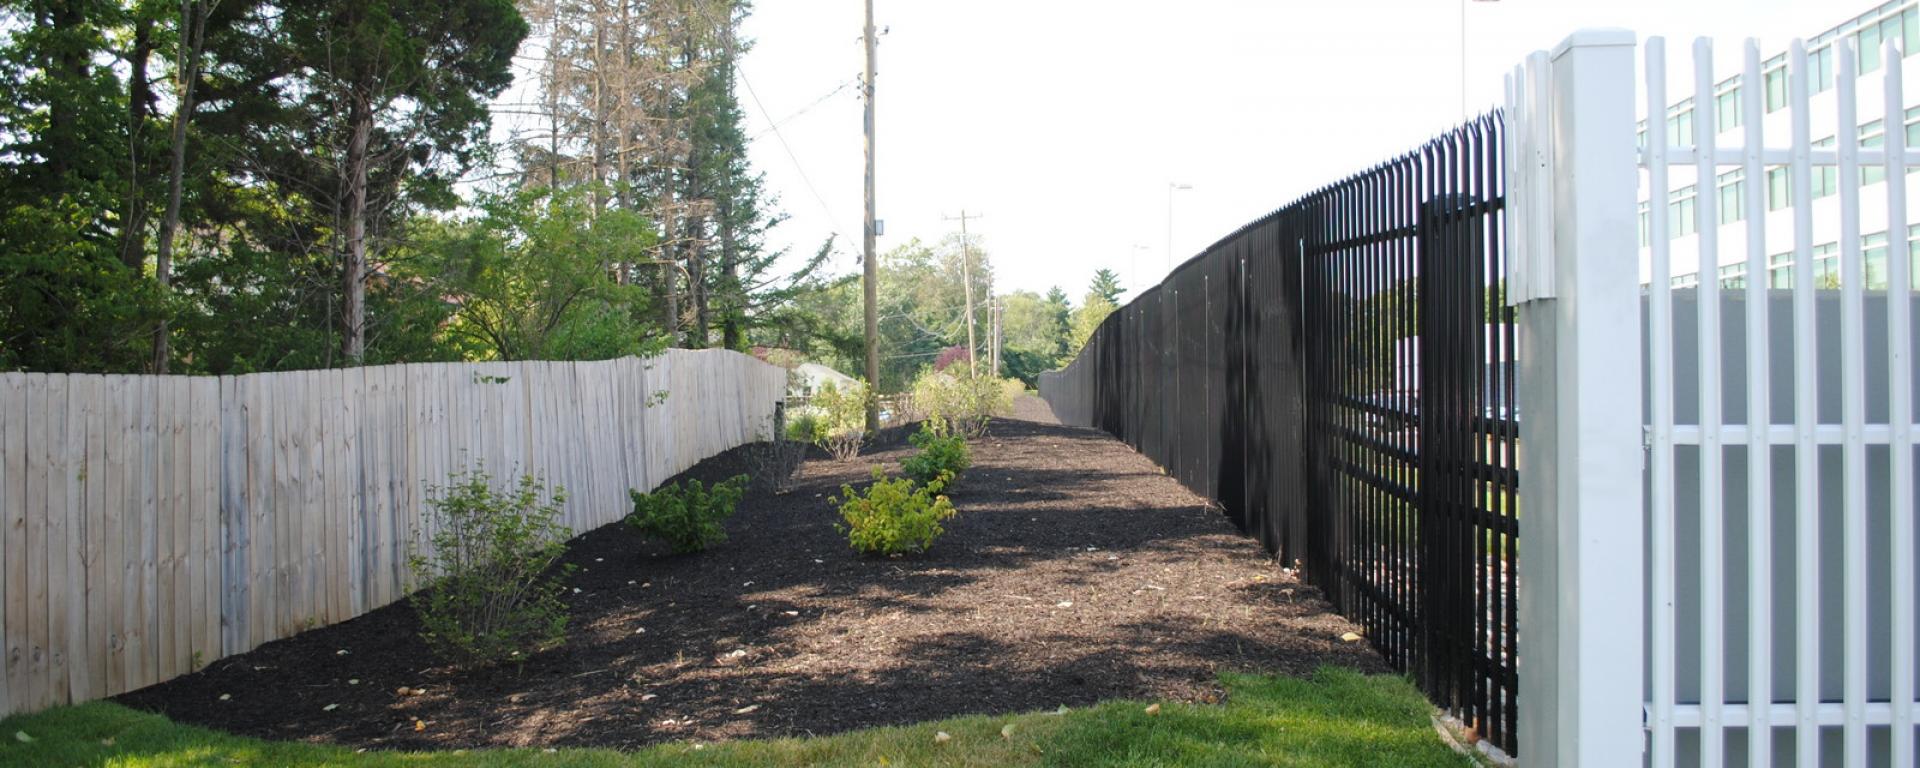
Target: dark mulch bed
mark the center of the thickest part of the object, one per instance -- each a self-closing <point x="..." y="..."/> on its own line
<point x="1076" y="571"/>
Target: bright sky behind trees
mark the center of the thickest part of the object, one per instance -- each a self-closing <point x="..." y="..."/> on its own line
<point x="1064" y="121"/>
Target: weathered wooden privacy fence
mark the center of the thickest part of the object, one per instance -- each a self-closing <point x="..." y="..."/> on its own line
<point x="152" y="524"/>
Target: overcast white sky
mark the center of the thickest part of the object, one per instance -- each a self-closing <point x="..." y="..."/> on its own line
<point x="1063" y="121"/>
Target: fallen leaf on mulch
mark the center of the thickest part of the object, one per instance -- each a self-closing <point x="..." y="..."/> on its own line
<point x="1350" y="636"/>
<point x="419" y="725"/>
<point x="746" y="710"/>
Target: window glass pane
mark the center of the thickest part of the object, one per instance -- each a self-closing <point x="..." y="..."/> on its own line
<point x="1778" y="193"/>
<point x="1733" y="276"/>
<point x="1820" y="64"/>
<point x="1645" y="240"/>
<point x="1909" y="30"/>
<point x="1733" y="196"/>
<point x="1680" y="128"/>
<point x="1826" y="266"/>
<point x="1727" y="110"/>
<point x="1780" y="270"/>
<point x="1869" y="48"/>
<point x="1873" y="258"/>
<point x="1681" y="212"/>
<point x="1826" y="179"/>
<point x="1776" y="90"/>
<point x="1873" y="135"/>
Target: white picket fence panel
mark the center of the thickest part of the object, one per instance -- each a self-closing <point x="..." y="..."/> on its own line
<point x="149" y="524"/>
<point x="1780" y="592"/>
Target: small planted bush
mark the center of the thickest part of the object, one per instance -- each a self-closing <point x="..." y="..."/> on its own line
<point x="491" y="592"/>
<point x="967" y="404"/>
<point x="687" y="515"/>
<point x="806" y="427"/>
<point x="843" y="419"/>
<point x="943" y="453"/>
<point x="893" y="516"/>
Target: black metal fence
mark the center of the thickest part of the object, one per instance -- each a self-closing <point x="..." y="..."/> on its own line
<point x="1339" y="376"/>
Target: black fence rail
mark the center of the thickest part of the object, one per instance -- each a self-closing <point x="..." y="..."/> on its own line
<point x="1339" y="376"/>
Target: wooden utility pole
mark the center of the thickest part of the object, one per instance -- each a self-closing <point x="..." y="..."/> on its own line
<point x="966" y="280"/>
<point x="872" y="265"/>
<point x="999" y="334"/>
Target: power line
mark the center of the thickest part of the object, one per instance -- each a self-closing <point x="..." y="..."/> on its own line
<point x="808" y="108"/>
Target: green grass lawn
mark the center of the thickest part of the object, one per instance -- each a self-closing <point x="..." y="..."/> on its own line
<point x="1335" y="718"/>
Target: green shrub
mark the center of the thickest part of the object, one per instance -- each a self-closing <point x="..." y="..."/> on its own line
<point x="806" y="427"/>
<point x="843" y="417"/>
<point x="687" y="515"/>
<point x="491" y="592"/>
<point x="943" y="452"/>
<point x="893" y="516"/>
<point x="965" y="403"/>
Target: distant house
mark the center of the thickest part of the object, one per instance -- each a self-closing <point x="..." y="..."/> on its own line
<point x="808" y="378"/>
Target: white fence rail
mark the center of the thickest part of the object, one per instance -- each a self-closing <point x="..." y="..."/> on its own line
<point x="1778" y="447"/>
<point x="150" y="524"/>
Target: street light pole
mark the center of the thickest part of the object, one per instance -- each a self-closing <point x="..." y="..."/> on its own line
<point x="1171" y="188"/>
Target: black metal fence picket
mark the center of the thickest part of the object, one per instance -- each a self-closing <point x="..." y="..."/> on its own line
<point x="1339" y="376"/>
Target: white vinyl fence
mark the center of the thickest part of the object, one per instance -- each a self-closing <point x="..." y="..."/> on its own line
<point x="150" y="524"/>
<point x="1766" y="498"/>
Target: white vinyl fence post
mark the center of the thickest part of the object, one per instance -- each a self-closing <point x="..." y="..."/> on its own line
<point x="1581" y="614"/>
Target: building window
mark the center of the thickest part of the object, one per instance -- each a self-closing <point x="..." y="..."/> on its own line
<point x="1826" y="178"/>
<point x="1780" y="270"/>
<point x="1873" y="258"/>
<point x="1681" y="219"/>
<point x="1913" y="256"/>
<point x="1776" y="84"/>
<point x="1826" y="266"/>
<point x="1726" y="110"/>
<point x="1686" y="281"/>
<point x="1733" y="196"/>
<point x="1733" y="276"/>
<point x="1680" y="127"/>
<point x="1873" y="135"/>
<point x="1779" y="192"/>
<point x="1820" y="66"/>
<point x="1902" y="28"/>
<point x="1646" y="239"/>
<point x="1869" y="47"/>
<point x="1909" y="30"/>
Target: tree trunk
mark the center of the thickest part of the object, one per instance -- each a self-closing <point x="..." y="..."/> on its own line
<point x="731" y="319"/>
<point x="669" y="269"/>
<point x="353" y="313"/>
<point x="68" y="67"/>
<point x="139" y="100"/>
<point x="193" y="30"/>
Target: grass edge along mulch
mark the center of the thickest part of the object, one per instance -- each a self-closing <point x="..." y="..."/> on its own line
<point x="1335" y="717"/>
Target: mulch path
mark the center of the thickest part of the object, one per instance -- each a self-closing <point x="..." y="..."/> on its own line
<point x="1075" y="571"/>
